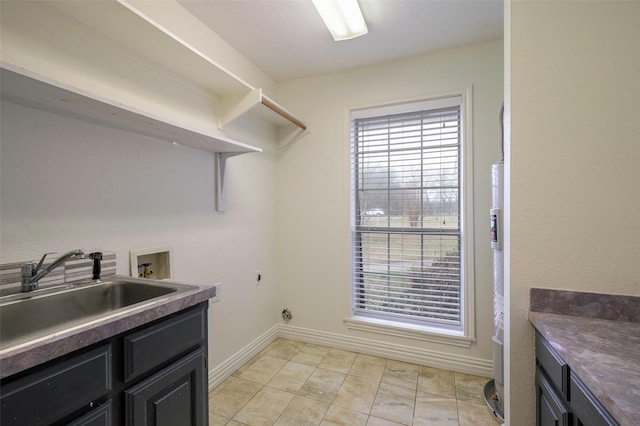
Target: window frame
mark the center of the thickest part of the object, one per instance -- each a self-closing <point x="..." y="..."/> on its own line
<point x="465" y="334"/>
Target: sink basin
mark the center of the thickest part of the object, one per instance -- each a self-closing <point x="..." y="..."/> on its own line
<point x="30" y="317"/>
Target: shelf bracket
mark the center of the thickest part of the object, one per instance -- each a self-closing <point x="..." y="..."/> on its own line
<point x="221" y="163"/>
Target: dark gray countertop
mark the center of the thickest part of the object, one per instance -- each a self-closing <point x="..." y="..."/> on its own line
<point x="24" y="356"/>
<point x="604" y="353"/>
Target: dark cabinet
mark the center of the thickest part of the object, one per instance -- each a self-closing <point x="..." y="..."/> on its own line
<point x="150" y="347"/>
<point x="155" y="374"/>
<point x="101" y="416"/>
<point x="51" y="394"/>
<point x="587" y="411"/>
<point x="561" y="398"/>
<point x="551" y="410"/>
<point x="169" y="398"/>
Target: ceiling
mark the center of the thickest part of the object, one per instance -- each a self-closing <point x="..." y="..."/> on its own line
<point x="287" y="38"/>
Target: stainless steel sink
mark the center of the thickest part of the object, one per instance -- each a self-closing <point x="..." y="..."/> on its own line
<point x="25" y="317"/>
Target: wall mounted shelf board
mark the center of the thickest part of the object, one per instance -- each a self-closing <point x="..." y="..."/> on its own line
<point x="23" y="87"/>
<point x="144" y="28"/>
<point x="161" y="40"/>
<point x="41" y="93"/>
<point x="135" y="30"/>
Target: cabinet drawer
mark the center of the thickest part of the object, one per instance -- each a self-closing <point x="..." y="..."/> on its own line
<point x="586" y="407"/>
<point x="159" y="343"/>
<point x="58" y="390"/>
<point x="556" y="369"/>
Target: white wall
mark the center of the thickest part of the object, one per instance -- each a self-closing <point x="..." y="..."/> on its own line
<point x="574" y="155"/>
<point x="66" y="184"/>
<point x="314" y="181"/>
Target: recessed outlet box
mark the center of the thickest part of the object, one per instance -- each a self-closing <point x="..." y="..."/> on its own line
<point x="154" y="263"/>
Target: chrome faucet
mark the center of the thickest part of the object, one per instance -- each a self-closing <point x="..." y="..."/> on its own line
<point x="32" y="273"/>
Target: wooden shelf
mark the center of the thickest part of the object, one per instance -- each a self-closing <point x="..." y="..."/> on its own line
<point x="123" y="63"/>
<point x="20" y="86"/>
<point x="134" y="30"/>
<point x="154" y="30"/>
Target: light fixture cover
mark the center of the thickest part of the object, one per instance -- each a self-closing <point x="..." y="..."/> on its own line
<point x="343" y="18"/>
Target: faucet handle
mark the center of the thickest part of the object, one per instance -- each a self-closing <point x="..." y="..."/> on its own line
<point x="41" y="262"/>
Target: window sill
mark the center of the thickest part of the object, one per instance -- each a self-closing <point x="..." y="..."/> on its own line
<point x="410" y="331"/>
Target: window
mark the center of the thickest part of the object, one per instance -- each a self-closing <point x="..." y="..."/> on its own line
<point x="408" y="222"/>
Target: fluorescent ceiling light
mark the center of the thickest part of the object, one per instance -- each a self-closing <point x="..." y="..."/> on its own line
<point x="343" y="18"/>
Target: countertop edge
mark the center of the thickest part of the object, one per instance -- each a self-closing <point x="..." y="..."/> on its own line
<point x="42" y="350"/>
<point x="545" y="324"/>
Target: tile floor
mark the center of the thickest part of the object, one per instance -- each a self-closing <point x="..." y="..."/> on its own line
<point x="293" y="383"/>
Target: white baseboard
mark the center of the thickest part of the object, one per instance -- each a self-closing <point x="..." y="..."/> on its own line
<point x="220" y="372"/>
<point x="436" y="359"/>
<point x="412" y="354"/>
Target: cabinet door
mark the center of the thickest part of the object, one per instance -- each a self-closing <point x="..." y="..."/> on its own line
<point x="557" y="371"/>
<point x="101" y="416"/>
<point x="175" y="396"/>
<point x="550" y="410"/>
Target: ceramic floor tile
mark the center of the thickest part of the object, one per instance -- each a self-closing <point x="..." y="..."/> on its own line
<point x="340" y="416"/>
<point x="284" y="349"/>
<point x="472" y="414"/>
<point x="394" y="403"/>
<point x="291" y="377"/>
<point x="311" y="355"/>
<point x="246" y="365"/>
<point x="357" y="394"/>
<point x="401" y="374"/>
<point x="227" y="404"/>
<point x="377" y="421"/>
<point x="264" y="408"/>
<point x="242" y="386"/>
<point x="437" y="381"/>
<point x="441" y="413"/>
<point x="367" y="366"/>
<point x="303" y="412"/>
<point x="232" y="397"/>
<point x="310" y="348"/>
<point x="323" y="385"/>
<point x="429" y="398"/>
<point x="470" y="388"/>
<point x="221" y="386"/>
<point x="338" y="360"/>
<point x="263" y="369"/>
<point x="293" y="383"/>
<point x="216" y="420"/>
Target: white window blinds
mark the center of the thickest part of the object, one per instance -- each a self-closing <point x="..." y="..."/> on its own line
<point x="406" y="217"/>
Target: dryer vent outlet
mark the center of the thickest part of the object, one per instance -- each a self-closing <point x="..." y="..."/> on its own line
<point x="286" y="314"/>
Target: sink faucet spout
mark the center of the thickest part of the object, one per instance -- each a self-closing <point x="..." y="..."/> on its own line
<point x="32" y="273"/>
